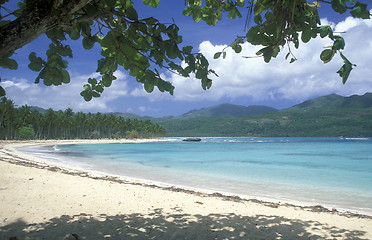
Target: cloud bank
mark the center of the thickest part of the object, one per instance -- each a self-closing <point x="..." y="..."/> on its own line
<point x="22" y="92"/>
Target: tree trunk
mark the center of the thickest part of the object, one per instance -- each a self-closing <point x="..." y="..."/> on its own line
<point x="38" y="17"/>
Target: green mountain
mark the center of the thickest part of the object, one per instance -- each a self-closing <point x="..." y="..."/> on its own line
<point x="224" y="110"/>
<point x="334" y="102"/>
<point x="39" y="109"/>
<point x="330" y="115"/>
<point x="127" y="115"/>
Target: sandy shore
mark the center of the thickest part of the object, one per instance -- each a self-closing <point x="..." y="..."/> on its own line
<point x="42" y="201"/>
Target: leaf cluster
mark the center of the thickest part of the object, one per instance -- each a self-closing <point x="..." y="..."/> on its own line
<point x="289" y="22"/>
<point x="140" y="46"/>
<point x="144" y="46"/>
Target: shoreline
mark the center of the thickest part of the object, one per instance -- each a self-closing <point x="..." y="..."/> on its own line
<point x="10" y="155"/>
<point x="45" y="163"/>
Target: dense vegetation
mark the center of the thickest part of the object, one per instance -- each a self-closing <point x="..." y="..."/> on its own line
<point x="330" y="115"/>
<point x="26" y="123"/>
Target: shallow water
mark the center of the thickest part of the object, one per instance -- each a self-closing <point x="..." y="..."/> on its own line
<point x="335" y="172"/>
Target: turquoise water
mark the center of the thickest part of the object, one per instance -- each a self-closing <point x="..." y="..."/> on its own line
<point x="334" y="172"/>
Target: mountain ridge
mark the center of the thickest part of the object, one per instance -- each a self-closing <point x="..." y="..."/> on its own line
<point x="227" y="109"/>
<point x="326" y="116"/>
<point x="330" y="115"/>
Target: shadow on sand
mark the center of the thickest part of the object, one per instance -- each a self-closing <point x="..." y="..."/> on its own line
<point x="158" y="225"/>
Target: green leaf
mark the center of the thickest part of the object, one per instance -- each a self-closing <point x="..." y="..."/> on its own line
<point x="306" y="35"/>
<point x="188" y="11"/>
<point x="236" y="44"/>
<point x="63" y="50"/>
<point x="95" y="94"/>
<point x="56" y="35"/>
<point x="36" y="63"/>
<point x="149" y="87"/>
<point x="339" y="6"/>
<point x="187" y="49"/>
<point x="108" y="41"/>
<point x="197" y="15"/>
<point x="154" y="3"/>
<point x="338" y="43"/>
<point x="325" y="31"/>
<point x="92" y="81"/>
<point x="360" y="11"/>
<point x="172" y="51"/>
<point x="87" y="95"/>
<point x="206" y="83"/>
<point x="65" y="76"/>
<point x="237" y="48"/>
<point x="8" y="63"/>
<point x="87" y="87"/>
<point x="258" y="19"/>
<point x="2" y="91"/>
<point x="234" y="13"/>
<point x="259" y="7"/>
<point x="327" y="55"/>
<point x="35" y="67"/>
<point x="266" y="52"/>
<point x="131" y="13"/>
<point x="165" y="86"/>
<point x="99" y="88"/>
<point x="107" y="79"/>
<point x="88" y="42"/>
<point x="345" y="70"/>
<point x="212" y="20"/>
<point x="75" y="33"/>
<point x="239" y="3"/>
<point x="217" y="55"/>
<point x="85" y="29"/>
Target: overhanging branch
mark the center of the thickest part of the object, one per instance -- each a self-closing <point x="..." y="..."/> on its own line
<point x="35" y="20"/>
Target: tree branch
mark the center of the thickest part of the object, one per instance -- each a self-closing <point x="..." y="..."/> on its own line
<point x="37" y="18"/>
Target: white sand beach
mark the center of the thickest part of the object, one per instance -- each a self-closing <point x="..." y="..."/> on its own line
<point x="39" y="200"/>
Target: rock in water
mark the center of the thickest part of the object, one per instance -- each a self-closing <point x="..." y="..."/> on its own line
<point x="192" y="140"/>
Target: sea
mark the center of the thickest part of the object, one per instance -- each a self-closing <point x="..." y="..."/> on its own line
<point x="332" y="172"/>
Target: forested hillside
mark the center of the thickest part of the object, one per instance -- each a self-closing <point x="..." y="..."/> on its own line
<point x="226" y="110"/>
<point x="331" y="115"/>
<point x="31" y="123"/>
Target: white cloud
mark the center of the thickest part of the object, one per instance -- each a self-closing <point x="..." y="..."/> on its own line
<point x="66" y="96"/>
<point x="308" y="77"/>
<point x="146" y="109"/>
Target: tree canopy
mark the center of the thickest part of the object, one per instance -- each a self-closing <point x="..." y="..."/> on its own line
<point x="144" y="46"/>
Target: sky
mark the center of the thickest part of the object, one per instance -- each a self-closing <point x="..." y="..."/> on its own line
<point x="241" y="81"/>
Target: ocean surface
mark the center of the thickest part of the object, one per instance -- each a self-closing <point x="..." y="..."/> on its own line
<point x="333" y="172"/>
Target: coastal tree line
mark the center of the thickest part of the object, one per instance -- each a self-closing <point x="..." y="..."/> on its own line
<point x="28" y="123"/>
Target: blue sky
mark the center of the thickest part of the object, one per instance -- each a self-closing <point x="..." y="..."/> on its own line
<point x="241" y="81"/>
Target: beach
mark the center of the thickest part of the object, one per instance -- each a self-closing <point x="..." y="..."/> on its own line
<point x="45" y="200"/>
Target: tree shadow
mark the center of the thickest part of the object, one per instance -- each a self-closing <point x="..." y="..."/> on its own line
<point x="158" y="225"/>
